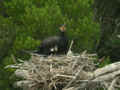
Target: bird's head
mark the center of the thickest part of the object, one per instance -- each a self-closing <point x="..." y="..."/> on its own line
<point x="62" y="28"/>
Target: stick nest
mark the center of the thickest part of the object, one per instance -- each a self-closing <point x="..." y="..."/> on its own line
<point x="65" y="72"/>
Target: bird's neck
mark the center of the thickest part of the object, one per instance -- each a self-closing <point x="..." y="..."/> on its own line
<point x="62" y="34"/>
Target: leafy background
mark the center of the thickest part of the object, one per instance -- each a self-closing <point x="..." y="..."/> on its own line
<point x="28" y="22"/>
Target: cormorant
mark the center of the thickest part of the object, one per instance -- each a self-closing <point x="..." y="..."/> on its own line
<point x="55" y="44"/>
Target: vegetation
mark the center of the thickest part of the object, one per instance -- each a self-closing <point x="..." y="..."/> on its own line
<point x="37" y="19"/>
<point x="25" y="23"/>
<point x="107" y="13"/>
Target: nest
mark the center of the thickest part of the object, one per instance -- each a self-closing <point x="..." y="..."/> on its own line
<point x="66" y="72"/>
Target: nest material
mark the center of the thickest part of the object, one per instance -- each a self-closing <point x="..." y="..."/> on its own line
<point x="66" y="72"/>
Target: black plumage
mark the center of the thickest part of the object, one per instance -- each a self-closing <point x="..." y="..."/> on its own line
<point x="55" y="44"/>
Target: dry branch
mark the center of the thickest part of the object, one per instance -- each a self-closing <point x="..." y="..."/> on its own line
<point x="66" y="72"/>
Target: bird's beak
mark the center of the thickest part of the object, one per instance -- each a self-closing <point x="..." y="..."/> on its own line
<point x="62" y="28"/>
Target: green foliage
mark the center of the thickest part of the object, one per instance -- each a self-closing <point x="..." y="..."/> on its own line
<point x="6" y="75"/>
<point x="105" y="62"/>
<point x="7" y="36"/>
<point x="107" y="13"/>
<point x="80" y="23"/>
<point x="37" y="19"/>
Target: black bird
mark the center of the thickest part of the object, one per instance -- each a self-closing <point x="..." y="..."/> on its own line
<point x="54" y="45"/>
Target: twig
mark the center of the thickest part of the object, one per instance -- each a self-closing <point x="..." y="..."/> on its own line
<point x="74" y="72"/>
<point x="77" y="74"/>
<point x="71" y="45"/>
<point x="69" y="50"/>
<point x="112" y="84"/>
